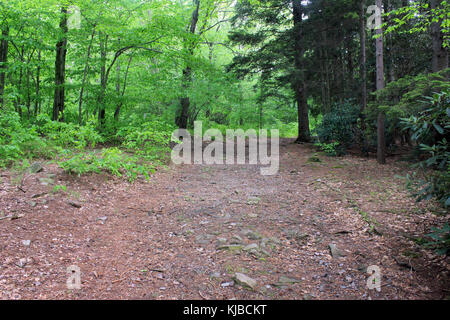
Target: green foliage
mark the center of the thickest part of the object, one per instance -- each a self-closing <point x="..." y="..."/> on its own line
<point x="68" y="135"/>
<point x="404" y="98"/>
<point x="440" y="239"/>
<point x="111" y="160"/>
<point x="149" y="140"/>
<point x="338" y="128"/>
<point x="19" y="142"/>
<point x="431" y="130"/>
<point x="331" y="149"/>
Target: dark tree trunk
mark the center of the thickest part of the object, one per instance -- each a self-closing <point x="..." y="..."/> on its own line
<point x="3" y="61"/>
<point x="182" y="118"/>
<point x="363" y="71"/>
<point x="37" y="103"/>
<point x="381" y="143"/>
<point x="60" y="69"/>
<point x="101" y="98"/>
<point x="440" y="54"/>
<point x="298" y="83"/>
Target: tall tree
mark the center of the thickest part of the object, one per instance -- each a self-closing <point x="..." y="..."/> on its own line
<point x="60" y="68"/>
<point x="381" y="143"/>
<point x="440" y="54"/>
<point x="3" y="59"/>
<point x="298" y="78"/>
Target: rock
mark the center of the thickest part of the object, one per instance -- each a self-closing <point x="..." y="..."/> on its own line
<point x="252" y="235"/>
<point x="26" y="242"/>
<point x="36" y="167"/>
<point x="335" y="251"/>
<point x="74" y="204"/>
<point x="252" y="215"/>
<point x="251" y="246"/>
<point x="245" y="280"/>
<point x="227" y="284"/>
<point x="283" y="281"/>
<point x="236" y="240"/>
<point x="32" y="203"/>
<point x="230" y="247"/>
<point x="253" y="200"/>
<point x="221" y="241"/>
<point x="46" y="181"/>
<point x="203" y="239"/>
<point x="348" y="279"/>
<point x="214" y="275"/>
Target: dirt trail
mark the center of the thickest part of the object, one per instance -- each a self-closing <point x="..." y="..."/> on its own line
<point x="185" y="234"/>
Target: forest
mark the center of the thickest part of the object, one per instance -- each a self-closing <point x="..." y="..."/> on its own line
<point x="92" y="91"/>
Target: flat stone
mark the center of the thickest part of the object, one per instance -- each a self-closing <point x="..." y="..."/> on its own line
<point x="36" y="167"/>
<point x="230" y="247"/>
<point x="252" y="235"/>
<point x="245" y="280"/>
<point x="284" y="280"/>
<point x="26" y="242"/>
<point x="335" y="251"/>
<point x="46" y="181"/>
<point x="251" y="246"/>
<point x="236" y="240"/>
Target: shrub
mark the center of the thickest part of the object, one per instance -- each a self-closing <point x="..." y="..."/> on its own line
<point x="339" y="127"/>
<point x="19" y="142"/>
<point x="431" y="130"/>
<point x="111" y="160"/>
<point x="150" y="140"/>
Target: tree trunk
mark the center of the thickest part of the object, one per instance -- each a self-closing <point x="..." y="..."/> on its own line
<point x="363" y="72"/>
<point x="440" y="54"/>
<point x="85" y="72"/>
<point x="182" y="118"/>
<point x="381" y="143"/>
<point x="37" y="103"/>
<point x="3" y="60"/>
<point x="298" y="83"/>
<point x="60" y="69"/>
<point x="101" y="98"/>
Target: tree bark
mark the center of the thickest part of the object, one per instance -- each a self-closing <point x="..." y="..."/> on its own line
<point x="298" y="83"/>
<point x="85" y="72"/>
<point x="3" y="61"/>
<point x="60" y="69"/>
<point x="182" y="118"/>
<point x="381" y="143"/>
<point x="440" y="54"/>
<point x="101" y="98"/>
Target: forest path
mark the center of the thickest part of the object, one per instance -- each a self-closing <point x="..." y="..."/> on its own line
<point x="187" y="232"/>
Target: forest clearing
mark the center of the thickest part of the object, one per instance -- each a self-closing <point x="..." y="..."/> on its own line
<point x="222" y="150"/>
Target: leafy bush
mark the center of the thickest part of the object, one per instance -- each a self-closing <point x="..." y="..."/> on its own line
<point x="401" y="99"/>
<point x="19" y="142"/>
<point x="150" y="140"/>
<point x="441" y="239"/>
<point x="431" y="130"/>
<point x="68" y="135"/>
<point x="111" y="160"/>
<point x="338" y="127"/>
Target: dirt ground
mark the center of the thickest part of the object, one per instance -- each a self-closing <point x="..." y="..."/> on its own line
<point x="186" y="232"/>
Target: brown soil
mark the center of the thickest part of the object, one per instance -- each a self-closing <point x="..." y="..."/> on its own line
<point x="158" y="239"/>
